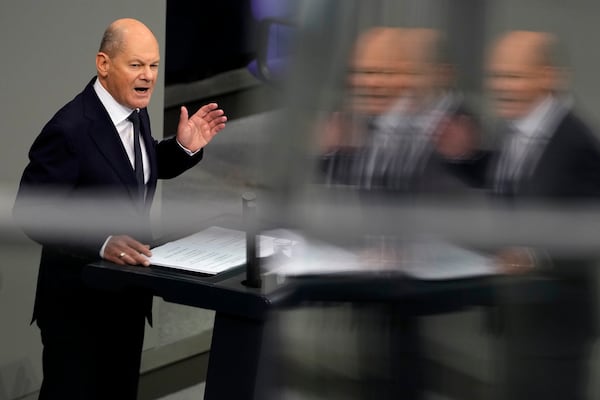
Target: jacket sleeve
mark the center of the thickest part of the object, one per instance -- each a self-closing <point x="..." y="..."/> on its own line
<point x="45" y="207"/>
<point x="173" y="160"/>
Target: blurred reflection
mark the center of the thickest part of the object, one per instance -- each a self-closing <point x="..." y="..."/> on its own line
<point x="550" y="153"/>
<point x="401" y="100"/>
<point x="404" y="129"/>
<point x="545" y="153"/>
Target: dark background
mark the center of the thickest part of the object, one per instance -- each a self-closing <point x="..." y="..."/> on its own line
<point x="204" y="38"/>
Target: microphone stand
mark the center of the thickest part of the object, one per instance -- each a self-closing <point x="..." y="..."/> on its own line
<point x="252" y="261"/>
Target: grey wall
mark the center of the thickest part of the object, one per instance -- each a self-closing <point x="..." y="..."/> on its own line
<point x="48" y="52"/>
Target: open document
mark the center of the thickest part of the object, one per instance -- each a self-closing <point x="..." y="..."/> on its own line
<point x="210" y="251"/>
<point x="217" y="249"/>
<point x="428" y="259"/>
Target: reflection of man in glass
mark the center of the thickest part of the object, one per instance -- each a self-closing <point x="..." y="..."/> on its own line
<point x="549" y="153"/>
<point x="546" y="154"/>
<point x="400" y="100"/>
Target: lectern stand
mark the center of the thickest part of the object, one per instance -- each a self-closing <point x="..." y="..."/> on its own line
<point x="240" y="316"/>
<point x="242" y="311"/>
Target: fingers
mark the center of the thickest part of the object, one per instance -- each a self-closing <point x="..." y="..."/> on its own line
<point x="212" y="114"/>
<point x="216" y="118"/>
<point x="132" y="258"/>
<point x="515" y="260"/>
<point x="211" y="124"/>
<point x="124" y="250"/>
<point x="183" y="119"/>
<point x="206" y="109"/>
<point x="183" y="113"/>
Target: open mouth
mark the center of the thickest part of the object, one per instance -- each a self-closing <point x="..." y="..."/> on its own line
<point x="507" y="100"/>
<point x="141" y="90"/>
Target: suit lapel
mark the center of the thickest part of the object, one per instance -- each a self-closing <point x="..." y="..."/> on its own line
<point x="547" y="170"/>
<point x="104" y="134"/>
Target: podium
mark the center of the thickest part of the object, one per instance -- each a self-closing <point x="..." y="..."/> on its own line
<point x="242" y="312"/>
<point x="240" y="316"/>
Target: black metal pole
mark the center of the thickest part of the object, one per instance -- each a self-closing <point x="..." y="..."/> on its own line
<point x="252" y="261"/>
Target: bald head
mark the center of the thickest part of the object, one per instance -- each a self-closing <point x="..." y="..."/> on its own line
<point x="379" y="45"/>
<point x="522" y="71"/>
<point x="384" y="47"/>
<point x="119" y="32"/>
<point x="533" y="48"/>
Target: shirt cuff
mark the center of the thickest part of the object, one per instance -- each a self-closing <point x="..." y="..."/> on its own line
<point x="104" y="247"/>
<point x="189" y="152"/>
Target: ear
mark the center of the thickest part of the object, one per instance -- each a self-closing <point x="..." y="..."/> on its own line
<point x="446" y="75"/>
<point x="561" y="79"/>
<point x="102" y="64"/>
<point x="554" y="79"/>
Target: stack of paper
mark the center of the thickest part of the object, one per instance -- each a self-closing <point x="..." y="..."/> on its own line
<point x="210" y="251"/>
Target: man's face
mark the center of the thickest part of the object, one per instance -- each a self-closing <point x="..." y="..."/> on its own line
<point x="517" y="79"/>
<point x="418" y="83"/>
<point x="132" y="72"/>
<point x="376" y="84"/>
<point x="391" y="68"/>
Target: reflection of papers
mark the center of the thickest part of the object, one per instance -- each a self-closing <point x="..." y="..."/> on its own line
<point x="432" y="260"/>
<point x="210" y="251"/>
<point x="440" y="260"/>
<point x="315" y="259"/>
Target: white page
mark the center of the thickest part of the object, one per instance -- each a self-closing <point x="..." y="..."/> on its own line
<point x="210" y="251"/>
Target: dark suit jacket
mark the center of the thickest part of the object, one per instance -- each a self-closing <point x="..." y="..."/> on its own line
<point x="79" y="188"/>
<point x="568" y="168"/>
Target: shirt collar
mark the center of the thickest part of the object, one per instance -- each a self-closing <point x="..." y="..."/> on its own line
<point x="394" y="116"/>
<point x="117" y="112"/>
<point x="541" y="118"/>
<point x="427" y="117"/>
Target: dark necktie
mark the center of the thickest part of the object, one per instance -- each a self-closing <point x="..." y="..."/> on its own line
<point x="134" y="117"/>
<point x="509" y="169"/>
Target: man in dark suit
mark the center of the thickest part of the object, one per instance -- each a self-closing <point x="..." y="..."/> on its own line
<point x="86" y="193"/>
<point x="547" y="155"/>
<point x="545" y="150"/>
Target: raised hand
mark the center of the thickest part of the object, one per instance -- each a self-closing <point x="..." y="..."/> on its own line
<point x="197" y="131"/>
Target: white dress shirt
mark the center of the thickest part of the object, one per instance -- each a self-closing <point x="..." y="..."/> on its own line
<point x="118" y="114"/>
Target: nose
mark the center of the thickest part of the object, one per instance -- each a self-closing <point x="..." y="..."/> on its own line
<point x="148" y="73"/>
